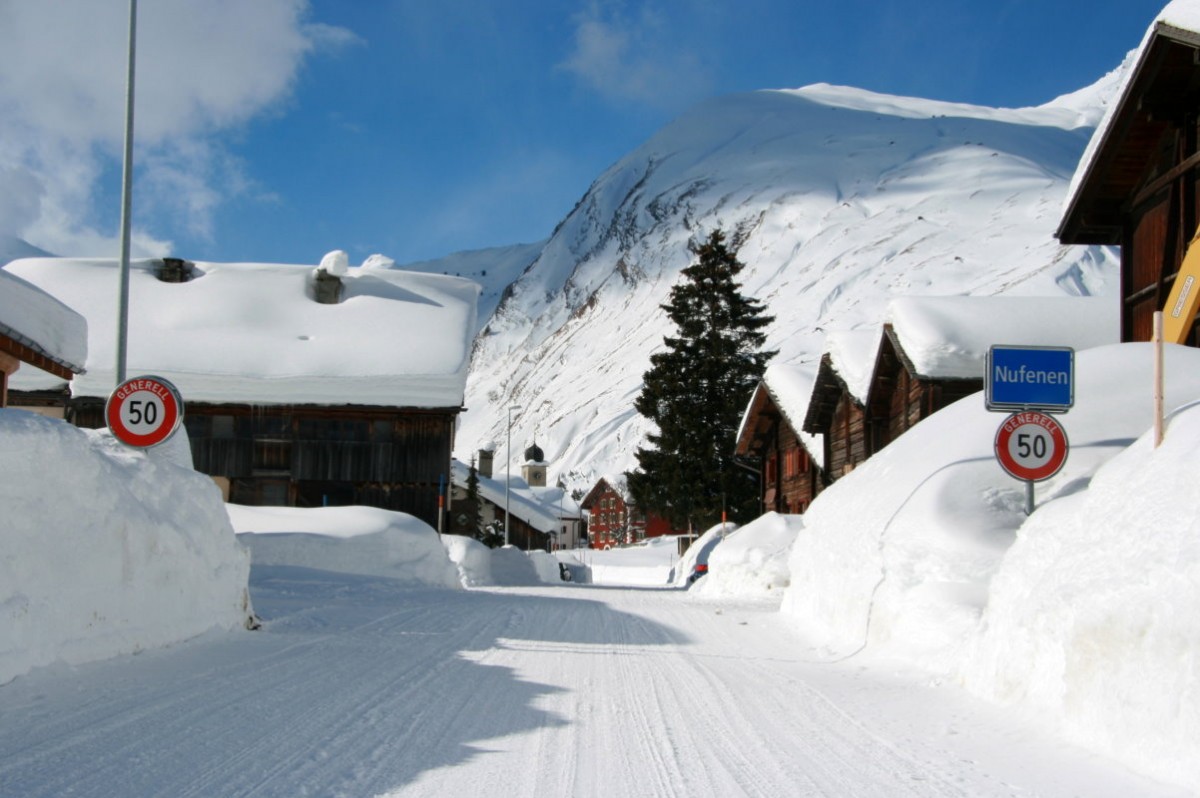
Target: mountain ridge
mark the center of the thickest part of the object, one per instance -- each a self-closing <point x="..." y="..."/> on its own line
<point x="837" y="199"/>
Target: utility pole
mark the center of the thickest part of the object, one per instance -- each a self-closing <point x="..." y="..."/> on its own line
<point x="126" y="204"/>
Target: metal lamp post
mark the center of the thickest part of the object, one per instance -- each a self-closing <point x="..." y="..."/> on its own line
<point x="508" y="469"/>
<point x="126" y="203"/>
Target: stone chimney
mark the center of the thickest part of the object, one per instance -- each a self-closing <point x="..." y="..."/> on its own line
<point x="174" y="270"/>
<point x="327" y="279"/>
<point x="484" y="463"/>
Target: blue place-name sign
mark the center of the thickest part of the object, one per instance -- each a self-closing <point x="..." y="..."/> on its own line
<point x="1030" y="378"/>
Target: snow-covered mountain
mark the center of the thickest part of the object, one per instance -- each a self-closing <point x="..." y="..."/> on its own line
<point x="839" y="200"/>
<point x="12" y="248"/>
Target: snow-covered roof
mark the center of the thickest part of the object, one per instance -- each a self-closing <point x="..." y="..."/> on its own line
<point x="1179" y="19"/>
<point x="252" y="332"/>
<point x="36" y="320"/>
<point x="852" y="356"/>
<point x="541" y="508"/>
<point x="790" y="388"/>
<point x="949" y="337"/>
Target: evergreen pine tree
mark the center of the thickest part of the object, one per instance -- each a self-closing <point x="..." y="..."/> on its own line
<point x="695" y="393"/>
<point x="474" y="506"/>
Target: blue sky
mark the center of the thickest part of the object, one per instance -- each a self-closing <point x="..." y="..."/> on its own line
<point x="279" y="130"/>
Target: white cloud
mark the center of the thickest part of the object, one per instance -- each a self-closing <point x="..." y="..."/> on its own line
<point x="203" y="67"/>
<point x="634" y="59"/>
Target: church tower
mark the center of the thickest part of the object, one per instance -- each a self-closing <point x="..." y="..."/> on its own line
<point x="533" y="470"/>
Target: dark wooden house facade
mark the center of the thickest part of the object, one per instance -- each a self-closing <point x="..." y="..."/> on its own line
<point x="316" y="456"/>
<point x="837" y="410"/>
<point x="790" y="474"/>
<point x="840" y="418"/>
<point x="899" y="396"/>
<point x="295" y="410"/>
<point x="1138" y="187"/>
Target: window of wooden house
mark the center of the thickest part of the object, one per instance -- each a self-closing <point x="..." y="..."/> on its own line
<point x="197" y="426"/>
<point x="381" y="430"/>
<point x="222" y="427"/>
<point x="330" y="429"/>
<point x="271" y="426"/>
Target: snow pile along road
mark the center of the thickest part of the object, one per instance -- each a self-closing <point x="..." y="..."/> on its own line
<point x="1084" y="611"/>
<point x="106" y="550"/>
<point x="355" y="540"/>
<point x="1092" y="617"/>
<point x="752" y="561"/>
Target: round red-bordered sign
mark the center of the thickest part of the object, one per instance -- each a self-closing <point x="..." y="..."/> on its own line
<point x="144" y="411"/>
<point x="1031" y="446"/>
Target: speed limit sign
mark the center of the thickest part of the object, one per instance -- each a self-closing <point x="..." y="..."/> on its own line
<point x="144" y="411"/>
<point x="1031" y="446"/>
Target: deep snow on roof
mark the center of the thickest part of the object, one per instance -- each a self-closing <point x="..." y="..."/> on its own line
<point x="37" y="320"/>
<point x="251" y="332"/>
<point x="852" y="356"/>
<point x="541" y="508"/>
<point x="948" y="337"/>
<point x="791" y="388"/>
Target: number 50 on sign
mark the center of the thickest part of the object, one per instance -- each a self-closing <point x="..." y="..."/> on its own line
<point x="144" y="411"/>
<point x="1031" y="446"/>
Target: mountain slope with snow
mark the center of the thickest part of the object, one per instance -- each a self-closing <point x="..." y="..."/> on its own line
<point x="839" y="200"/>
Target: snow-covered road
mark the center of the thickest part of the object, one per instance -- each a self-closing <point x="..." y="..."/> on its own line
<point x="357" y="687"/>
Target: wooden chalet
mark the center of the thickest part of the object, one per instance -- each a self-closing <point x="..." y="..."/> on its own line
<point x="837" y="410"/>
<point x="1137" y="185"/>
<point x="771" y="442"/>
<point x="302" y="387"/>
<point x="613" y="519"/>
<point x="900" y="396"/>
<point x="37" y="329"/>
<point x="934" y="349"/>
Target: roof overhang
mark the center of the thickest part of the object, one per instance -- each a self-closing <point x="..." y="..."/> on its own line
<point x="1163" y="86"/>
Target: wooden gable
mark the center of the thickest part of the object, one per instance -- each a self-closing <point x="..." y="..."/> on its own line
<point x="1138" y="189"/>
<point x="841" y="418"/>
<point x="900" y="397"/>
<point x="789" y="476"/>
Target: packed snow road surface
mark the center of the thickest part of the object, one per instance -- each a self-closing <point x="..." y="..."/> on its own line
<point x="356" y="687"/>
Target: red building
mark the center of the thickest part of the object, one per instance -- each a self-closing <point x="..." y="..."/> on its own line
<point x="613" y="520"/>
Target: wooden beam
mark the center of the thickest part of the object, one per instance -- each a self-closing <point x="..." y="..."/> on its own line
<point x="34" y="358"/>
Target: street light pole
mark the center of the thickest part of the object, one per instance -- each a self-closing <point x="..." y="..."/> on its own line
<point x="508" y="470"/>
<point x="126" y="205"/>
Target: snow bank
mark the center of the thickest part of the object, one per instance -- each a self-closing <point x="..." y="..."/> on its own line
<point x="472" y="559"/>
<point x="512" y="567"/>
<point x="649" y="563"/>
<point x="899" y="553"/>
<point x="106" y="550"/>
<point x="1088" y="612"/>
<point x="1092" y="615"/>
<point x="752" y="561"/>
<point x="479" y="566"/>
<point x="699" y="553"/>
<point x="546" y="565"/>
<point x="357" y="540"/>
